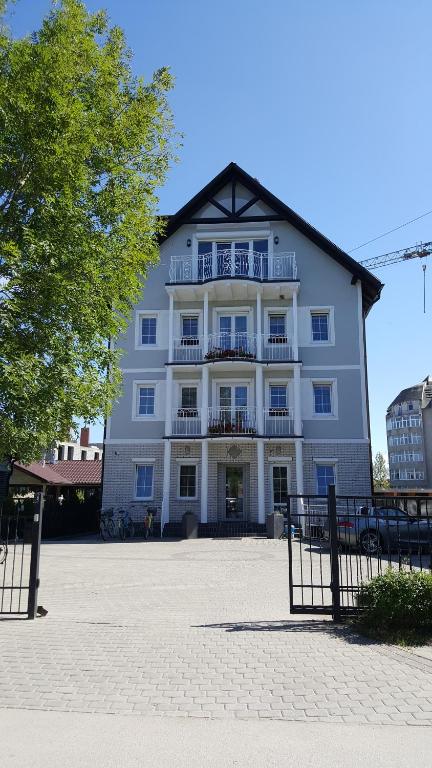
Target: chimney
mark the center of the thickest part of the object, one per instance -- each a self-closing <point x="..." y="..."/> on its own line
<point x="85" y="436"/>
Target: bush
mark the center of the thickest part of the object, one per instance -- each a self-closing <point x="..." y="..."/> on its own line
<point x="397" y="605"/>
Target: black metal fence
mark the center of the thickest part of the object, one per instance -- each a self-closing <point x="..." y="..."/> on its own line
<point x="20" y="535"/>
<point x="337" y="542"/>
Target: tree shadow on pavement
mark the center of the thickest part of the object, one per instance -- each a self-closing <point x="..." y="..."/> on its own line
<point x="307" y="626"/>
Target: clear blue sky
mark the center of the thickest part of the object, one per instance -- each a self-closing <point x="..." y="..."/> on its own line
<point x="329" y="105"/>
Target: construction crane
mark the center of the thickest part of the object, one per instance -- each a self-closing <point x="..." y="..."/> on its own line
<point x="421" y="251"/>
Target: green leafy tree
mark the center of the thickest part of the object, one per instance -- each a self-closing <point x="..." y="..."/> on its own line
<point x="84" y="145"/>
<point x="380" y="472"/>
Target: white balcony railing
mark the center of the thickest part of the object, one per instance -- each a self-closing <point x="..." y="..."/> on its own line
<point x="188" y="349"/>
<point x="232" y="421"/>
<point x="186" y="422"/>
<point x="235" y="263"/>
<point x="224" y="346"/>
<point x="232" y="346"/>
<point x="277" y="348"/>
<point x="279" y="422"/>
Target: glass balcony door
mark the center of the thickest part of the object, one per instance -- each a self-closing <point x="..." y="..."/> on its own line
<point x="233" y="332"/>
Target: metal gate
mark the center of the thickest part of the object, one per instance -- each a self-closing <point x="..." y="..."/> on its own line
<point x="335" y="543"/>
<point x="20" y="535"/>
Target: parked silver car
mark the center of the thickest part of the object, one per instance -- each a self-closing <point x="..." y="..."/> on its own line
<point x="377" y="529"/>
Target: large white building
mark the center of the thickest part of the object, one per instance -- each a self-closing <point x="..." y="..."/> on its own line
<point x="244" y="364"/>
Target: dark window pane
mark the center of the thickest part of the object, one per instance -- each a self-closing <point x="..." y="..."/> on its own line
<point x="188" y="481"/>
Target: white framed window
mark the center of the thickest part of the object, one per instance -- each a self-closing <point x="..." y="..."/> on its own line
<point x="146" y="400"/>
<point x="146" y="403"/>
<point x="188" y="401"/>
<point x="147" y="330"/>
<point x="280" y="485"/>
<point x="320" y="326"/>
<point x="144" y="481"/>
<point x="189" y="329"/>
<point x="325" y="475"/>
<point x="187" y="487"/>
<point x="278" y="396"/>
<point x="322" y="398"/>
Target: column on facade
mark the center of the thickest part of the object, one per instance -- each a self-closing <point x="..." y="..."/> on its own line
<point x="261" y="482"/>
<point x="297" y="401"/>
<point x="204" y="398"/>
<point x="168" y="400"/>
<point x="204" y="480"/>
<point x="166" y="484"/>
<point x="206" y="323"/>
<point x="259" y="387"/>
<point x="259" y="341"/>
<point x="299" y="465"/>
<point x="295" y="326"/>
<point x="171" y="328"/>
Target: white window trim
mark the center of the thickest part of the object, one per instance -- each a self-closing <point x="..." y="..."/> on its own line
<point x="139" y="315"/>
<point x="188" y="383"/>
<point x="187" y="463"/>
<point x="217" y="383"/>
<point x="136" y="416"/>
<point x="275" y="311"/>
<point x="143" y="463"/>
<point x="276" y="383"/>
<point x="332" y="383"/>
<point x="246" y="311"/>
<point x="178" y="324"/>
<point x="328" y="462"/>
<point x="279" y="461"/>
<point x="331" y="332"/>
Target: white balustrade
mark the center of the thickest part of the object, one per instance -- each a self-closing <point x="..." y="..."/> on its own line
<point x="231" y="346"/>
<point x="277" y="348"/>
<point x="188" y="349"/>
<point x="235" y="263"/>
<point x="186" y="422"/>
<point x="235" y="420"/>
<point x="278" y="422"/>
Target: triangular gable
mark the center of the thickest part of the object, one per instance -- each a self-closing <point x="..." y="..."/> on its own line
<point x="235" y="197"/>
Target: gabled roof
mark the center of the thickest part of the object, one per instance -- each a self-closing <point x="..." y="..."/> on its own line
<point x="64" y="472"/>
<point x="234" y="174"/>
<point x="46" y="473"/>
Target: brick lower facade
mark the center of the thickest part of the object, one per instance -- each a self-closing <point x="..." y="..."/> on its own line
<point x="351" y="461"/>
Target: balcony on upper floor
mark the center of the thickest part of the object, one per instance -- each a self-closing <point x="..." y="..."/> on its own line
<point x="243" y="347"/>
<point x="235" y="420"/>
<point x="233" y="263"/>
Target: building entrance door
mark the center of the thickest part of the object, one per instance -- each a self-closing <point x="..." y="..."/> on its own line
<point x="234" y="493"/>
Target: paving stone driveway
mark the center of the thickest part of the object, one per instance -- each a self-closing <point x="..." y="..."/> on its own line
<point x="196" y="628"/>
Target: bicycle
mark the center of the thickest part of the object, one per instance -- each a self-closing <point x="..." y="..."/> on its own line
<point x="106" y="524"/>
<point x="126" y="527"/>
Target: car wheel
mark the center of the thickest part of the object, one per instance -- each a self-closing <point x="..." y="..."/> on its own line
<point x="370" y="543"/>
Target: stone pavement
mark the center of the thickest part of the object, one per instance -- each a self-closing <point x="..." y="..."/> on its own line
<point x="197" y="629"/>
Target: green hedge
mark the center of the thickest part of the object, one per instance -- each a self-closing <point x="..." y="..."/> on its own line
<point x="397" y="604"/>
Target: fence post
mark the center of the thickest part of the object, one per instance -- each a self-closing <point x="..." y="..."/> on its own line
<point x="334" y="553"/>
<point x="290" y="562"/>
<point x="34" y="558"/>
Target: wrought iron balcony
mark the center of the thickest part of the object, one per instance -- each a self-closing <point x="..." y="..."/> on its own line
<point x="232" y="346"/>
<point x="232" y="421"/>
<point x="237" y="346"/>
<point x="237" y="264"/>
